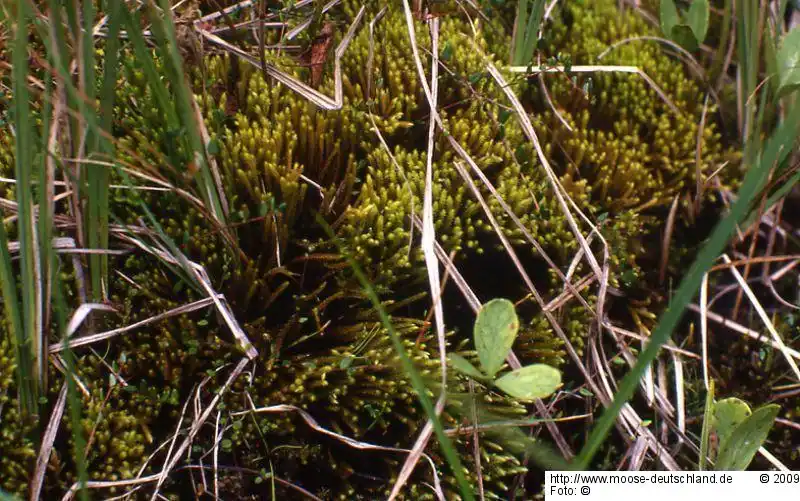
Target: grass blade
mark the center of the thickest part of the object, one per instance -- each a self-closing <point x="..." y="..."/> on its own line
<point x="526" y="30"/>
<point x="11" y="307"/>
<point x="708" y="416"/>
<point x="32" y="362"/>
<point x="132" y="21"/>
<point x="95" y="175"/>
<point x="164" y="29"/>
<point x="519" y="32"/>
<point x="105" y="146"/>
<point x="532" y="31"/>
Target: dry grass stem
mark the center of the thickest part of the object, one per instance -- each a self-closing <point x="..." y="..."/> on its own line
<point x="295" y="85"/>
<point x="599" y="69"/>
<point x="764" y="318"/>
<point x="350" y="442"/>
<point x="46" y="447"/>
<point x="431" y="264"/>
<point x="100" y="336"/>
<point x="734" y="326"/>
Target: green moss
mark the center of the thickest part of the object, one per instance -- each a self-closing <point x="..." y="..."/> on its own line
<point x="7" y="160"/>
<point x="632" y="148"/>
<point x="377" y="226"/>
<point x="321" y="346"/>
<point x="19" y="454"/>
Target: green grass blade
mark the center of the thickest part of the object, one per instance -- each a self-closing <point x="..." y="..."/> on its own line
<point x="708" y="416"/>
<point x="57" y="48"/>
<point x="87" y="44"/>
<point x="24" y="160"/>
<point x="84" y="129"/>
<point x="782" y="190"/>
<point x="416" y="380"/>
<point x="110" y="63"/>
<point x="747" y="33"/>
<point x="519" y="32"/>
<point x="100" y="174"/>
<point x="724" y="39"/>
<point x="12" y="309"/>
<point x="164" y="29"/>
<point x="526" y="31"/>
<point x="761" y="158"/>
<point x="96" y="180"/>
<point x="132" y="23"/>
<point x="532" y="31"/>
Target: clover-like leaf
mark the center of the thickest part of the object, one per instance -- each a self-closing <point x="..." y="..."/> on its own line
<point x="697" y="17"/>
<point x="669" y="16"/>
<point x="744" y="441"/>
<point x="728" y="414"/>
<point x="789" y="62"/>
<point x="530" y="382"/>
<point x="463" y="366"/>
<point x="683" y="35"/>
<point x="495" y="330"/>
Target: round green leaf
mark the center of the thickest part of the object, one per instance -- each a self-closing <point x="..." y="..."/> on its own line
<point x="530" y="382"/>
<point x="463" y="366"/>
<point x="669" y="16"/>
<point x="697" y="17"/>
<point x="728" y="414"/>
<point x="683" y="35"/>
<point x="738" y="451"/>
<point x="495" y="330"/>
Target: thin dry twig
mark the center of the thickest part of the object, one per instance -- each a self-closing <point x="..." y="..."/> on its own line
<point x="672" y="349"/>
<point x="764" y="318"/>
<point x="476" y="445"/>
<point x="682" y="53"/>
<point x="558" y="190"/>
<point x="295" y="85"/>
<point x="665" y="242"/>
<point x="173" y="460"/>
<point x="704" y="327"/>
<point x="600" y="69"/>
<point x="307" y="21"/>
<point x="100" y="336"/>
<point x="61" y="367"/>
<point x="431" y="266"/>
<point x="199" y="274"/>
<point x="350" y="442"/>
<point x="48" y="439"/>
<point x="734" y="326"/>
<point x="680" y="394"/>
<point x="772" y="459"/>
<point x="698" y="172"/>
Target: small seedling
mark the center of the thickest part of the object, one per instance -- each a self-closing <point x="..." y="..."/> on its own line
<point x="739" y="431"/>
<point x="689" y="29"/>
<point x="495" y="330"/>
